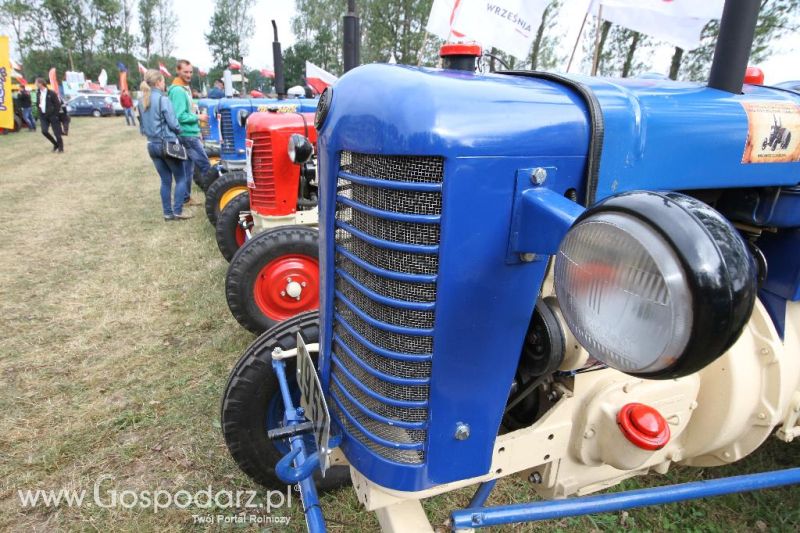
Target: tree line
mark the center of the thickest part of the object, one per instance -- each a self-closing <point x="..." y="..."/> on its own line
<point x="89" y="35"/>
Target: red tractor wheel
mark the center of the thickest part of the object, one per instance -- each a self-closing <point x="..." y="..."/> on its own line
<point x="274" y="276"/>
<point x="230" y="235"/>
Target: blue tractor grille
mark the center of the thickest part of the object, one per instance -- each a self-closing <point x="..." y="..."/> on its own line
<point x="388" y="211"/>
<point x="227" y="146"/>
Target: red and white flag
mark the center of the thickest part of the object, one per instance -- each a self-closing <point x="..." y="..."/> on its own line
<point x="234" y="65"/>
<point x="164" y="70"/>
<point x="267" y="73"/>
<point x="319" y="78"/>
<point x="509" y="25"/>
<point x="142" y="68"/>
<point x="677" y="22"/>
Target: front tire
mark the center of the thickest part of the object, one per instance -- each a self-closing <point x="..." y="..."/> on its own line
<point x="223" y="190"/>
<point x="273" y="277"/>
<point x="252" y="404"/>
<point x="230" y="235"/>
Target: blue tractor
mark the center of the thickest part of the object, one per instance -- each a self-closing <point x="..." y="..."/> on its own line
<point x="572" y="279"/>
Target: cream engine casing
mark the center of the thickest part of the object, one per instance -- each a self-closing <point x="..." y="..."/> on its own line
<point x="716" y="416"/>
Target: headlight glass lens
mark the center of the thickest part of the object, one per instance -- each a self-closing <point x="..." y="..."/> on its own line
<point x="624" y="293"/>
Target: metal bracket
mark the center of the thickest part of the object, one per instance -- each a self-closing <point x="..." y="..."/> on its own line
<point x="281" y="354"/>
<point x="540" y="217"/>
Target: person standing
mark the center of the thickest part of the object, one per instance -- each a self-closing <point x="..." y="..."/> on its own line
<point x="63" y="117"/>
<point x="24" y="100"/>
<point x="127" y="106"/>
<point x="49" y="108"/>
<point x="181" y="97"/>
<point x="158" y="123"/>
<point x="218" y="90"/>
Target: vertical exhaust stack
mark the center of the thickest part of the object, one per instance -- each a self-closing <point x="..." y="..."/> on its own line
<point x="736" y="31"/>
<point x="277" y="62"/>
<point x="352" y="38"/>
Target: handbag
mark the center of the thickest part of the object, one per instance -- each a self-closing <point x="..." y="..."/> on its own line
<point x="173" y="149"/>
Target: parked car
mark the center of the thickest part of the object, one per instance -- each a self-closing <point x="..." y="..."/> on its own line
<point x="94" y="105"/>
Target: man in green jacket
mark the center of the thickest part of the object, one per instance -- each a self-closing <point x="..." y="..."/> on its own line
<point x="181" y="97"/>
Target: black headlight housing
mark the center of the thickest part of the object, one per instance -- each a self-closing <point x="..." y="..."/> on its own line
<point x="594" y="277"/>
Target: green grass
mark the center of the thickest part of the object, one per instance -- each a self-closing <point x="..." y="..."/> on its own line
<point x="116" y="343"/>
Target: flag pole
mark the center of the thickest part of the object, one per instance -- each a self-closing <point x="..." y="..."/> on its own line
<point x="596" y="61"/>
<point x="577" y="40"/>
<point x="424" y="46"/>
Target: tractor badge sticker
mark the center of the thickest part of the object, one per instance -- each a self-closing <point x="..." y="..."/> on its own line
<point x="275" y="108"/>
<point x="773" y="132"/>
<point x="248" y="167"/>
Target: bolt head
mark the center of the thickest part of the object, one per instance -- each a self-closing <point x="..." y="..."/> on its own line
<point x="527" y="257"/>
<point x="538" y="176"/>
<point x="462" y="432"/>
<point x="535" y="477"/>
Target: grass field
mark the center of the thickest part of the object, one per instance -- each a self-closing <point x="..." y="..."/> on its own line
<point x="116" y="343"/>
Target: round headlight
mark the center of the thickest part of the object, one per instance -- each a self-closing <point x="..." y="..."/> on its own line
<point x="323" y="106"/>
<point x="656" y="285"/>
<point x="300" y="149"/>
<point x="242" y="115"/>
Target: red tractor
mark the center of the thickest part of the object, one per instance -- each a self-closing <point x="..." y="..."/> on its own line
<point x="269" y="234"/>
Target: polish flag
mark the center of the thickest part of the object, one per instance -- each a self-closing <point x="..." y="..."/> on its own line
<point x="164" y="70"/>
<point x="318" y="78"/>
<point x="142" y="69"/>
<point x="234" y="65"/>
<point x="267" y="73"/>
<point x="202" y="73"/>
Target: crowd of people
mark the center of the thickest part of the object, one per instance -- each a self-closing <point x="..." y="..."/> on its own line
<point x="172" y="128"/>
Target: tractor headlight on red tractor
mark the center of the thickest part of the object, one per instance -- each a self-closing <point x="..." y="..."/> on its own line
<point x="300" y="149"/>
<point x="655" y="284"/>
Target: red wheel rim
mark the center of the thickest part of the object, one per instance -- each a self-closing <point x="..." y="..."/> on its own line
<point x="240" y="235"/>
<point x="287" y="286"/>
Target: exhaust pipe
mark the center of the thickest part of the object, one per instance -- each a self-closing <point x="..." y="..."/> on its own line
<point x="277" y="62"/>
<point x="736" y="31"/>
<point x="352" y="42"/>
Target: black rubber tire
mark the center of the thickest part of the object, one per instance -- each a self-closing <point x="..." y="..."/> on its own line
<point x="227" y="222"/>
<point x="248" y="262"/>
<point x="218" y="188"/>
<point x="205" y="181"/>
<point x="251" y="387"/>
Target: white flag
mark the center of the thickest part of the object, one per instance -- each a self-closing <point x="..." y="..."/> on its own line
<point x="102" y="79"/>
<point x="509" y="25"/>
<point x="678" y="22"/>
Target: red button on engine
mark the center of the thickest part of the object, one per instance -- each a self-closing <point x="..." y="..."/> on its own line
<point x="643" y="426"/>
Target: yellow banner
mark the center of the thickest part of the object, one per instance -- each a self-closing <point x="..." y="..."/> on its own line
<point x="6" y="103"/>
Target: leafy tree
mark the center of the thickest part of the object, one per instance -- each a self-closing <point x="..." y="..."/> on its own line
<point x="394" y="28"/>
<point x="319" y="23"/>
<point x="16" y="14"/>
<point x="107" y="13"/>
<point x="543" y="51"/>
<point x="231" y="29"/>
<point x="294" y="62"/>
<point x="166" y="26"/>
<point x="776" y="19"/>
<point x="148" y="25"/>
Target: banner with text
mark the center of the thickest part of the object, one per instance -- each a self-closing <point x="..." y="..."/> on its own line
<point x="6" y="103"/>
<point x="509" y="25"/>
